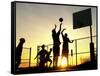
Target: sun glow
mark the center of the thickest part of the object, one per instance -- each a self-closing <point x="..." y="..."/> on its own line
<point x="62" y="62"/>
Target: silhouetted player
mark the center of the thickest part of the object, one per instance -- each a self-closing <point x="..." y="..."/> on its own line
<point x="19" y="52"/>
<point x="56" y="45"/>
<point x="65" y="49"/>
<point x="48" y="57"/>
<point x="42" y="56"/>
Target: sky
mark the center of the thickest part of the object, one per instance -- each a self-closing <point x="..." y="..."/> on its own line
<point x="35" y="22"/>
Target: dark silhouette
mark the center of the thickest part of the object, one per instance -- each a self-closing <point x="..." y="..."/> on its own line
<point x="71" y="52"/>
<point x="48" y="57"/>
<point x="65" y="49"/>
<point x="42" y="56"/>
<point x="56" y="45"/>
<point x="61" y="19"/>
<point x="71" y="57"/>
<point x="19" y="52"/>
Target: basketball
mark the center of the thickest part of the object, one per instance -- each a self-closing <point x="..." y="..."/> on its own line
<point x="61" y="19"/>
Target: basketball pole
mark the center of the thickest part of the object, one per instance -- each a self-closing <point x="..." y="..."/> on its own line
<point x="92" y="56"/>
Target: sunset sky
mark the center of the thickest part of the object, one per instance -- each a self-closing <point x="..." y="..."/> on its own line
<point x="35" y="22"/>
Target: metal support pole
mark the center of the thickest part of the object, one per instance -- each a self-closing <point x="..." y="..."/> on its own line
<point x="92" y="56"/>
<point x="91" y="33"/>
<point x="30" y="59"/>
<point x="37" y="53"/>
<point x="76" y="50"/>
